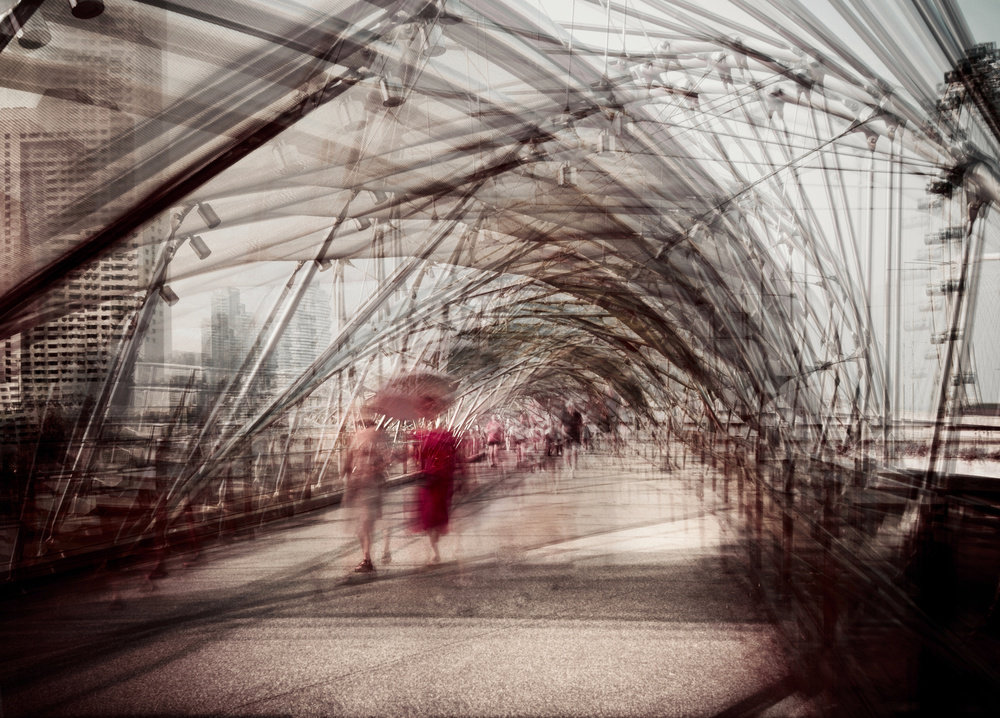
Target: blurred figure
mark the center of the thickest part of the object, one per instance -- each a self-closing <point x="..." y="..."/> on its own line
<point x="572" y="425"/>
<point x="164" y="470"/>
<point x="610" y="416"/>
<point x="494" y="437"/>
<point x="365" y="466"/>
<point x="518" y="436"/>
<point x="553" y="439"/>
<point x="435" y="455"/>
<point x="425" y="395"/>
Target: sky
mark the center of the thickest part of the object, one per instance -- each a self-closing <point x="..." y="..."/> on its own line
<point x="983" y="17"/>
<point x="260" y="287"/>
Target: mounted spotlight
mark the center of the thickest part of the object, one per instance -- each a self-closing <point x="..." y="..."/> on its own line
<point x="378" y="195"/>
<point x="645" y="73"/>
<point x="567" y="176"/>
<point x="432" y="40"/>
<point x="15" y="24"/>
<point x="199" y="247"/>
<point x="86" y="9"/>
<point x="362" y="223"/>
<point x="208" y="215"/>
<point x="33" y="37"/>
<point x="168" y="295"/>
<point x="392" y="91"/>
<point x="447" y="18"/>
<point x="351" y="115"/>
<point x="775" y="102"/>
<point x="324" y="264"/>
<point x="288" y="156"/>
<point x="618" y="123"/>
<point x="871" y="136"/>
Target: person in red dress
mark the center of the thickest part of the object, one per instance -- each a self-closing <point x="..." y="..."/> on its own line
<point x="435" y="452"/>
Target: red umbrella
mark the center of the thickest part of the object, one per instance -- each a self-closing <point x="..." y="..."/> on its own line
<point x="418" y="395"/>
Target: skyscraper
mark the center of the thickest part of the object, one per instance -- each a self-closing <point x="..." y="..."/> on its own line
<point x="307" y="334"/>
<point x="229" y="335"/>
<point x="56" y="160"/>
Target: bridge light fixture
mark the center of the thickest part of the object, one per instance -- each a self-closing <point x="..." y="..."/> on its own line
<point x="208" y="215"/>
<point x="567" y="176"/>
<point x="86" y="9"/>
<point x="36" y="35"/>
<point x="392" y="91"/>
<point x="444" y="17"/>
<point x="200" y="248"/>
<point x="168" y="295"/>
<point x="433" y="41"/>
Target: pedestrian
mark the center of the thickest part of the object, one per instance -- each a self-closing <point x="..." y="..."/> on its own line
<point x="365" y="465"/>
<point x="494" y="437"/>
<point x="518" y="436"/>
<point x="435" y="452"/>
<point x="553" y="439"/>
<point x="572" y="425"/>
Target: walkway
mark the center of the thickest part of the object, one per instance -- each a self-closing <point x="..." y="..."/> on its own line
<point x="611" y="594"/>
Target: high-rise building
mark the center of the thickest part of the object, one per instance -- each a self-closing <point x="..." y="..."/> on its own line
<point x="57" y="159"/>
<point x="307" y="333"/>
<point x="229" y="335"/>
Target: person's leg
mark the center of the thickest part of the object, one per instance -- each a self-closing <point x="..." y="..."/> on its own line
<point x="386" y="537"/>
<point x="365" y="531"/>
<point x="434" y="535"/>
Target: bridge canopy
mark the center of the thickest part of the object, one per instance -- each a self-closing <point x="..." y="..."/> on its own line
<point x="229" y="223"/>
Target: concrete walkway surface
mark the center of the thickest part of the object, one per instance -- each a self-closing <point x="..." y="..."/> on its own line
<point x="612" y="593"/>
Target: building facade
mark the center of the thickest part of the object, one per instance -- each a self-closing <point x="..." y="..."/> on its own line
<point x="58" y="158"/>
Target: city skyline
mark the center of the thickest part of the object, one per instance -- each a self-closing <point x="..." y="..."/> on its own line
<point x="572" y="308"/>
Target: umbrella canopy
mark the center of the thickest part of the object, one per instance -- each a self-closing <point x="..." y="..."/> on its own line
<point x="418" y="395"/>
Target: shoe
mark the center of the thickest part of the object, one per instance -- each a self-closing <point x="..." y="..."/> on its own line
<point x="386" y="558"/>
<point x="366" y="566"/>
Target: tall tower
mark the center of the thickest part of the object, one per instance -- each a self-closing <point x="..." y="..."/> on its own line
<point x="229" y="334"/>
<point x="307" y="334"/>
<point x="57" y="157"/>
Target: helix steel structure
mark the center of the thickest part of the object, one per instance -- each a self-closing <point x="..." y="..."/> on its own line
<point x="758" y="228"/>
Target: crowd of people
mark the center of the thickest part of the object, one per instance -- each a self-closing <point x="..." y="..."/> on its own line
<point x="434" y="451"/>
<point x="529" y="442"/>
<point x="536" y="442"/>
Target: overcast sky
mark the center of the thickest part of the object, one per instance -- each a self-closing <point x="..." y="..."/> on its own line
<point x="983" y="17"/>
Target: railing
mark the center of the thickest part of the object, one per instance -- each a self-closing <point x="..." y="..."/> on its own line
<point x="887" y="594"/>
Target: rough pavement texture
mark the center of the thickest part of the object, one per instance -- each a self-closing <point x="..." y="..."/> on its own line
<point x="612" y="593"/>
